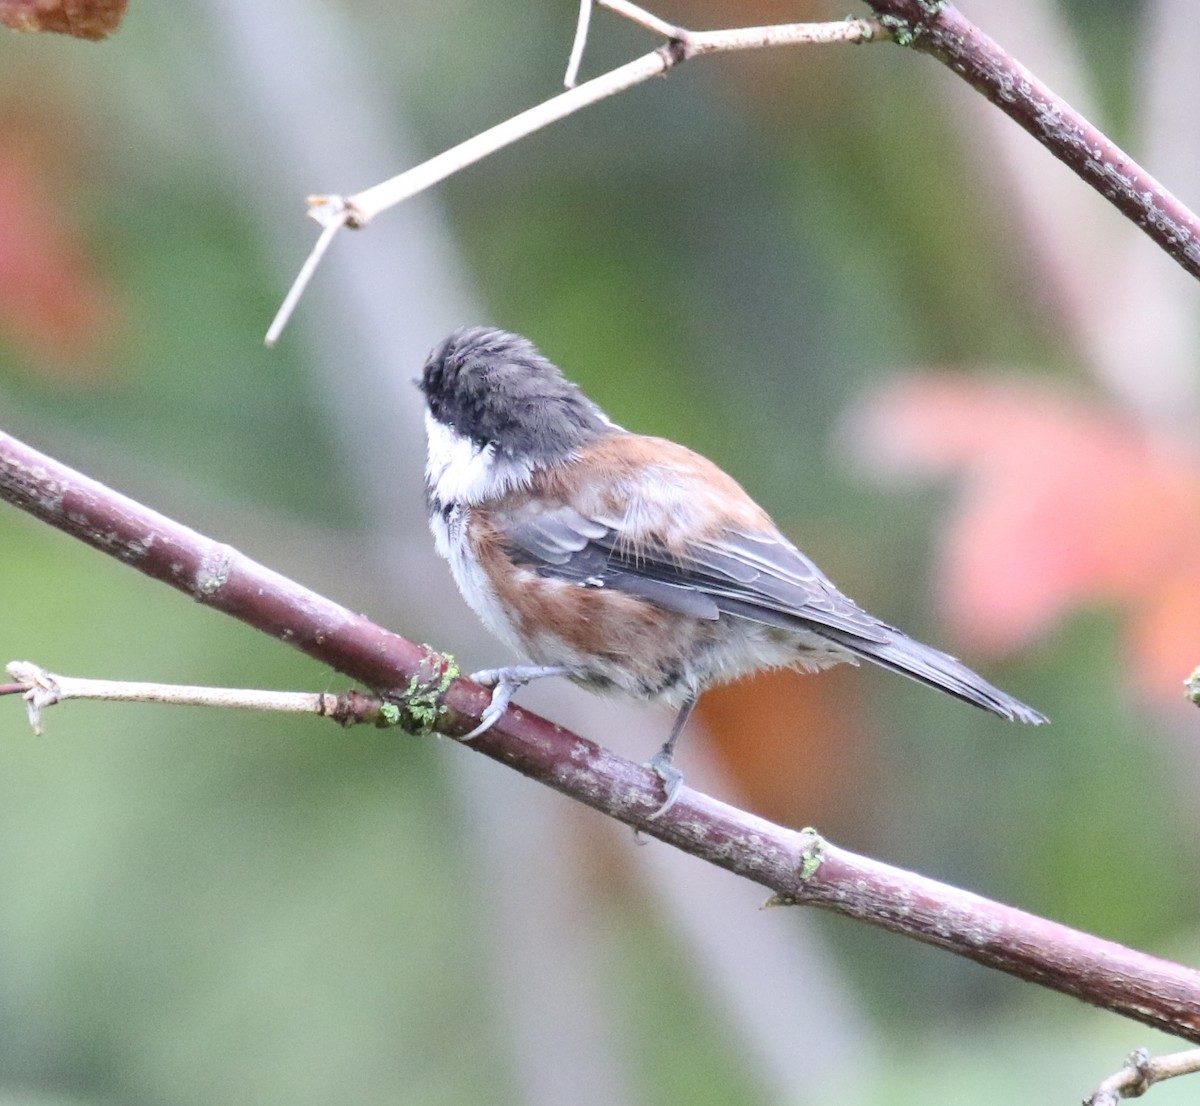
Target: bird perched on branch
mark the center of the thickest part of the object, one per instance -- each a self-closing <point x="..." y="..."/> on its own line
<point x="623" y="562"/>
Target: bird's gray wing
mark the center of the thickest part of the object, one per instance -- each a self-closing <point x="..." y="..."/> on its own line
<point x="755" y="575"/>
<point x="759" y="576"/>
<point x="560" y="542"/>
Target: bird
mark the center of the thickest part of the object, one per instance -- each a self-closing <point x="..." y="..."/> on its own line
<point x="623" y="562"/>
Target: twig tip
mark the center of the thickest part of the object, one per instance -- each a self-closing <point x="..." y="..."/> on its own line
<point x="332" y="212"/>
<point x="580" y="43"/>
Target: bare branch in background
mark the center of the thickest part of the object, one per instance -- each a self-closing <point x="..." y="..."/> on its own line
<point x="800" y="868"/>
<point x="940" y="30"/>
<point x="1140" y="1073"/>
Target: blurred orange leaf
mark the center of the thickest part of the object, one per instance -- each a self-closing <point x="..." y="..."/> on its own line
<point x="798" y="747"/>
<point x="51" y="302"/>
<point x="1063" y="503"/>
<point x="90" y="19"/>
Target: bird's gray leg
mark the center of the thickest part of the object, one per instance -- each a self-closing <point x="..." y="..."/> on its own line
<point x="661" y="764"/>
<point x="505" y="682"/>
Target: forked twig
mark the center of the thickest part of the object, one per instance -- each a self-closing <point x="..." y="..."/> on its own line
<point x="936" y="28"/>
<point x="334" y="211"/>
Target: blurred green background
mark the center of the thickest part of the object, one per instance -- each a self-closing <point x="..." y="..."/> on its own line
<point x="198" y="907"/>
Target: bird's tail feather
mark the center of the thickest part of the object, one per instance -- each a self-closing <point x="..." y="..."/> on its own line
<point x="940" y="670"/>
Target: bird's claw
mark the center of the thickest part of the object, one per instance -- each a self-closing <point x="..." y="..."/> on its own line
<point x="502" y="693"/>
<point x="505" y="683"/>
<point x="487" y="677"/>
<point x="672" y="780"/>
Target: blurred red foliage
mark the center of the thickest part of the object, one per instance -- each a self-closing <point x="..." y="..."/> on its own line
<point x="90" y="19"/>
<point x="1064" y="503"/>
<point x="798" y="747"/>
<point x="53" y="305"/>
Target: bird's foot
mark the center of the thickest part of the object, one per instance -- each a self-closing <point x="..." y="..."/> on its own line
<point x="505" y="683"/>
<point x="672" y="780"/>
<point x="502" y="694"/>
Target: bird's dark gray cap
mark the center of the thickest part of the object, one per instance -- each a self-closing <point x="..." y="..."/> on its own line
<point x="496" y="389"/>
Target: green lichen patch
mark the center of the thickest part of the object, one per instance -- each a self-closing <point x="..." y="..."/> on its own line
<point x="811" y="854"/>
<point x="419" y="706"/>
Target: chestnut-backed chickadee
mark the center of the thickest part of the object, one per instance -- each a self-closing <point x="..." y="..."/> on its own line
<point x="624" y="562"/>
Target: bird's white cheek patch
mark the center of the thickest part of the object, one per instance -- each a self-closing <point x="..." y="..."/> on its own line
<point x="461" y="471"/>
<point x="456" y="467"/>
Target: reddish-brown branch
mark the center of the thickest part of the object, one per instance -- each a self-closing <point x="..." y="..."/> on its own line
<point x="942" y="31"/>
<point x="798" y="867"/>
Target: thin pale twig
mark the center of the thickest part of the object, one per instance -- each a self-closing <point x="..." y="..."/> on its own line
<point x="645" y="19"/>
<point x="330" y="228"/>
<point x="44" y="689"/>
<point x="363" y="206"/>
<point x="580" y="43"/>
